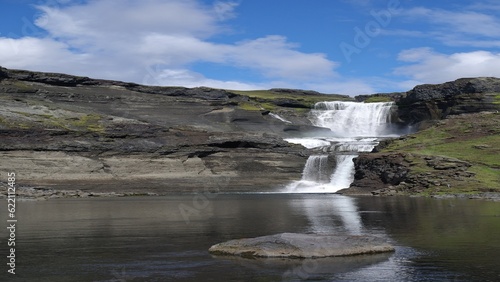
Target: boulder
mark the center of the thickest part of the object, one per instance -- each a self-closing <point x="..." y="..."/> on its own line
<point x="433" y="102"/>
<point x="293" y="245"/>
<point x="377" y="171"/>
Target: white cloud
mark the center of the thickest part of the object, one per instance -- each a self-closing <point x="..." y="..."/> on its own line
<point x="428" y="66"/>
<point x="156" y="41"/>
<point x="477" y="28"/>
<point x="485" y="5"/>
<point x="345" y="87"/>
<point x="275" y="57"/>
<point x="225" y="10"/>
<point x="469" y="22"/>
<point x="128" y="18"/>
<point x="37" y="53"/>
<point x="187" y="78"/>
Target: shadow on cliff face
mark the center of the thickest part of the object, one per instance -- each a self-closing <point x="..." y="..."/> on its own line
<point x="433" y="102"/>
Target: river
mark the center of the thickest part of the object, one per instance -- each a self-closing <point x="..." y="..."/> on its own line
<point x="167" y="238"/>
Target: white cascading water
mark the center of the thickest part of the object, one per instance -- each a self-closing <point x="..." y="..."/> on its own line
<point x="356" y="127"/>
<point x="316" y="168"/>
<point x="352" y="119"/>
<point x="344" y="172"/>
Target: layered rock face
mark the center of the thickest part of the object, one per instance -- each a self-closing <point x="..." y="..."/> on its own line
<point x="62" y="131"/>
<point x="434" y="102"/>
<point x="393" y="174"/>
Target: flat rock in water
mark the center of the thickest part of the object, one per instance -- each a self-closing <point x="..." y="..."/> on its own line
<point x="293" y="245"/>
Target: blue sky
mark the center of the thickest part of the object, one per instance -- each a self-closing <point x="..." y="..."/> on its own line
<point x="331" y="46"/>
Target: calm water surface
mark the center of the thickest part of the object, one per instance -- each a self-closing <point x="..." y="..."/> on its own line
<point x="166" y="238"/>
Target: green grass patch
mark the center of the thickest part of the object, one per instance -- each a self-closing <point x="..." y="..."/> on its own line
<point x="4" y="122"/>
<point x="22" y="86"/>
<point x="473" y="138"/>
<point x="268" y="96"/>
<point x="488" y="177"/>
<point x="249" y="106"/>
<point x="432" y="141"/>
<point x="497" y="99"/>
<point x="90" y="122"/>
<point x="378" y="99"/>
<point x="422" y="140"/>
<point x="14" y="124"/>
<point x="482" y="150"/>
<point x="269" y="106"/>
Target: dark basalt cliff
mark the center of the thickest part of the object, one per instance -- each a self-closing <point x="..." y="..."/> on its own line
<point x="434" y="102"/>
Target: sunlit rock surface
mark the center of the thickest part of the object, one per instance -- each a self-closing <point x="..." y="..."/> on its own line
<point x="293" y="245"/>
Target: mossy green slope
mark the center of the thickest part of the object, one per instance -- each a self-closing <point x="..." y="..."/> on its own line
<point x="474" y="138"/>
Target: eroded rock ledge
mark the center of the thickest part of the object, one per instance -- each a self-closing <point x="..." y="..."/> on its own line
<point x="293" y="245"/>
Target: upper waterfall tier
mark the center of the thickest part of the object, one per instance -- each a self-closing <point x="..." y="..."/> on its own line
<point x="351" y="119"/>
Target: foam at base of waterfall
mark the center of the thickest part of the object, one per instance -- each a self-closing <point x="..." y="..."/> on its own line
<point x="340" y="179"/>
<point x="304" y="187"/>
<point x="309" y="143"/>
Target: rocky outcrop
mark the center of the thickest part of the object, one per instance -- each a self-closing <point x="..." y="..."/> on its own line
<point x="434" y="102"/>
<point x="376" y="171"/>
<point x="430" y="102"/>
<point x="292" y="245"/>
<point x="404" y="173"/>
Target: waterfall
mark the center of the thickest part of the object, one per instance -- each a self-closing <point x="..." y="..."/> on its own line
<point x="343" y="174"/>
<point x="355" y="127"/>
<point x="351" y="119"/>
<point x="315" y="168"/>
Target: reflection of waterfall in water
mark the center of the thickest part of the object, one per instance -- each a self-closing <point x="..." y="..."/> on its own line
<point x="356" y="127"/>
<point x="332" y="215"/>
